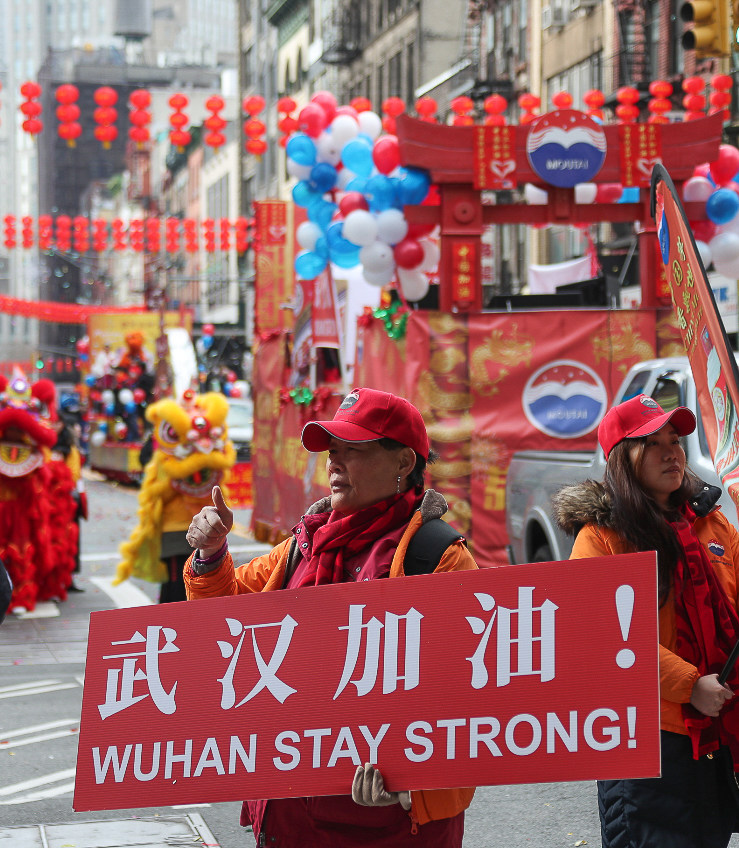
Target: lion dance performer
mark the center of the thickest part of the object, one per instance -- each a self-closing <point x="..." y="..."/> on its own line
<point x="191" y="454"/>
<point x="38" y="535"/>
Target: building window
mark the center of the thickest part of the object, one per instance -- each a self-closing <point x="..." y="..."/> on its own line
<point x="410" y="74"/>
<point x="394" y="81"/>
<point x="380" y="91"/>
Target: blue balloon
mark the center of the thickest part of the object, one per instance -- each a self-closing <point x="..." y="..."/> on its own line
<point x="309" y="265"/>
<point x="227" y="389"/>
<point x="103" y="425"/>
<point x="630" y="194"/>
<point x="722" y="206"/>
<point x="301" y="149"/>
<point x="130" y="407"/>
<point x="357" y="184"/>
<point x="321" y="212"/>
<point x="323" y="177"/>
<point x="207" y="342"/>
<point x="321" y="248"/>
<point x="90" y="380"/>
<point x="109" y="408"/>
<point x="346" y="260"/>
<point x="414" y="186"/>
<point x="380" y="193"/>
<point x="304" y="194"/>
<point x="357" y="156"/>
<point x="337" y="244"/>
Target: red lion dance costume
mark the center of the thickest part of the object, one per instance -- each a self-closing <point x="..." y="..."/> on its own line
<point x="38" y="536"/>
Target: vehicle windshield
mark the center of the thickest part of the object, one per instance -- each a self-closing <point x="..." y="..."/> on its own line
<point x="241" y="415"/>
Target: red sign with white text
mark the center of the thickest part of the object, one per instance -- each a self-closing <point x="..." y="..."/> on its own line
<point x="456" y="679"/>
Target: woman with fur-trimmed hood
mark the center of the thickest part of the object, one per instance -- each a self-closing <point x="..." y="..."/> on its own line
<point x="648" y="500"/>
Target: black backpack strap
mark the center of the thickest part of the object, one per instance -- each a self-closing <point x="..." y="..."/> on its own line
<point x="427" y="546"/>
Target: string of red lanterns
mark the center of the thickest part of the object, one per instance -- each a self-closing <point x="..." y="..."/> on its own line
<point x="139" y="116"/>
<point x="31" y="108"/>
<point x="215" y="123"/>
<point x="426" y="109"/>
<point x="68" y="113"/>
<point x="254" y="128"/>
<point x="462" y="107"/>
<point x="494" y="107"/>
<point x="392" y="107"/>
<point x="178" y="135"/>
<point x="105" y="115"/>
<point x="287" y="124"/>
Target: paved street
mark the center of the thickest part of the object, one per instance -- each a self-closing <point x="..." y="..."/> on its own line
<point x="41" y="678"/>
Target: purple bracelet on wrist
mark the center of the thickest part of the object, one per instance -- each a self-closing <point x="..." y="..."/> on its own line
<point x="219" y="554"/>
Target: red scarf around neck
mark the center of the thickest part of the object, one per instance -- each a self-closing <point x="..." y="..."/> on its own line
<point x="344" y="537"/>
<point x="707" y="628"/>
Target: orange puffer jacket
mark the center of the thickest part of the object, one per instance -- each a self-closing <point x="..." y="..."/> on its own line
<point x="267" y="572"/>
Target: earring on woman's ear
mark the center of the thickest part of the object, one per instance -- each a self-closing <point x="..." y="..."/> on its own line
<point x="397" y="491"/>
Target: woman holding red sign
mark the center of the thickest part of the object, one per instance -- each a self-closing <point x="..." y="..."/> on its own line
<point x="647" y="501"/>
<point x="378" y="450"/>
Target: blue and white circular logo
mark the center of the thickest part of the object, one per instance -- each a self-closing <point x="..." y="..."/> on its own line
<point x="564" y="399"/>
<point x="566" y="147"/>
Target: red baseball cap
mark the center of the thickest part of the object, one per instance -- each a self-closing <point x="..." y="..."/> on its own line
<point x="366" y="415"/>
<point x="640" y="416"/>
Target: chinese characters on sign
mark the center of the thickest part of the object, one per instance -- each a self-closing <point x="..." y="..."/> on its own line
<point x="641" y="150"/>
<point x="472" y="678"/>
<point x="495" y="158"/>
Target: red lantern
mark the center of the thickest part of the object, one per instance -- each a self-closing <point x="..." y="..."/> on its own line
<point x="494" y="107"/>
<point x="99" y="235"/>
<point x="224" y="229"/>
<point x="720" y="97"/>
<point x="694" y="101"/>
<point x="139" y="116"/>
<point x="529" y="103"/>
<point x="426" y="109"/>
<point x="361" y="104"/>
<point x="172" y="234"/>
<point x="9" y="231"/>
<point x="241" y="233"/>
<point x="287" y="125"/>
<point x="562" y="100"/>
<point x="31" y="108"/>
<point x="191" y="235"/>
<point x="462" y="106"/>
<point x="64" y="233"/>
<point x="214" y="123"/>
<point x="68" y="113"/>
<point x="81" y="234"/>
<point x="627" y="111"/>
<point x="27" y="231"/>
<point x="392" y="107"/>
<point x="661" y="90"/>
<point x="254" y="128"/>
<point x="136" y="234"/>
<point x="45" y="231"/>
<point x="594" y="100"/>
<point x="179" y="137"/>
<point x="152" y="232"/>
<point x="105" y="115"/>
<point x="119" y="234"/>
<point x="209" y="235"/>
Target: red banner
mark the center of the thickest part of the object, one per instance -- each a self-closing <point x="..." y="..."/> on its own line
<point x="60" y="313"/>
<point x="641" y="149"/>
<point x="495" y="158"/>
<point x="226" y="700"/>
<point x="240" y="492"/>
<point x="324" y="316"/>
<point x="711" y="357"/>
<point x="275" y="275"/>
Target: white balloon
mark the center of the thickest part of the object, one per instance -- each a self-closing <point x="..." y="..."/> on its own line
<point x="698" y="189"/>
<point x="585" y="192"/>
<point x="125" y="396"/>
<point x="344" y="128"/>
<point x="302" y="172"/>
<point x="728" y="269"/>
<point x="107" y="397"/>
<point x="378" y="278"/>
<point x="360" y="227"/>
<point x="370" y="124"/>
<point x="725" y="250"/>
<point x="307" y="234"/>
<point x="344" y="177"/>
<point x="706" y="254"/>
<point x="731" y="226"/>
<point x="328" y="149"/>
<point x="97" y="438"/>
<point x="534" y="195"/>
<point x="392" y="226"/>
<point x="415" y="283"/>
<point x="431" y="255"/>
<point x="377" y="256"/>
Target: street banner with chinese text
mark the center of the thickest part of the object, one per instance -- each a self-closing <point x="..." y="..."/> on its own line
<point x="456" y="679"/>
<point x="274" y="284"/>
<point x="709" y="352"/>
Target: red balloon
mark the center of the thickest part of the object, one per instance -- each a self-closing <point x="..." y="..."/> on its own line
<point x="312" y="120"/>
<point x="208" y="329"/>
<point x="408" y="253"/>
<point x="386" y="154"/>
<point x="608" y="192"/>
<point x="417" y="231"/>
<point x="327" y="102"/>
<point x="235" y="392"/>
<point x="724" y="169"/>
<point x="703" y="230"/>
<point x="351" y="201"/>
<point x="347" y="110"/>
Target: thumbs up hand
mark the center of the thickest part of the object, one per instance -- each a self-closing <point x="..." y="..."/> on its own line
<point x="210" y="527"/>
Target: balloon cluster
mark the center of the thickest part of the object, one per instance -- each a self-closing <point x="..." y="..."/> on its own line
<point x="354" y="188"/>
<point x="717" y="185"/>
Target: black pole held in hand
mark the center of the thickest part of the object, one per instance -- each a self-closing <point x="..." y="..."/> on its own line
<point x="726" y="670"/>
